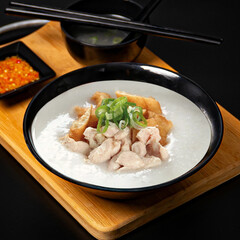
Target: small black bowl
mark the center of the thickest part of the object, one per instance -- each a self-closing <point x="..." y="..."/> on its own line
<point x="90" y="54"/>
<point x="21" y="50"/>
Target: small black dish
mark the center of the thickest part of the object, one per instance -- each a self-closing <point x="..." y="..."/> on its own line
<point x="21" y="50"/>
<point x="90" y="54"/>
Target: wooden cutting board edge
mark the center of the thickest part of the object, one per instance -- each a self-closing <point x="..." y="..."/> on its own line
<point x="150" y="213"/>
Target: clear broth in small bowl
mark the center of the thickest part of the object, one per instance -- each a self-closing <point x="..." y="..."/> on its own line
<point x="97" y="36"/>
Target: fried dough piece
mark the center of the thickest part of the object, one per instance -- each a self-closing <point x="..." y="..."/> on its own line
<point x="93" y="119"/>
<point x="97" y="97"/>
<point x="153" y="105"/>
<point x="79" y="125"/>
<point x="148" y="103"/>
<point x="145" y="112"/>
<point x="134" y="133"/>
<point x="162" y="124"/>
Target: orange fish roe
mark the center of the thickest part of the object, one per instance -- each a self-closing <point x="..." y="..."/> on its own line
<point x="15" y="72"/>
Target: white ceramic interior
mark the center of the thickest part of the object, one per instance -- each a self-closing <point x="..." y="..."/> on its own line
<point x="189" y="139"/>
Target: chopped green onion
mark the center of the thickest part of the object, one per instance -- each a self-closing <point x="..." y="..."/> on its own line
<point x="130" y="104"/>
<point x="117" y="40"/>
<point x="117" y="113"/>
<point x="139" y="109"/>
<point x="138" y="118"/>
<point x="93" y="39"/>
<point x="109" y="116"/>
<point x="119" y="101"/>
<point x="105" y="127"/>
<point x="106" y="101"/>
<point x="121" y="112"/>
<point x="100" y="122"/>
<point x="101" y="110"/>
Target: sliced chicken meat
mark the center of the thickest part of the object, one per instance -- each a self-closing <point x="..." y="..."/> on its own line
<point x="164" y="153"/>
<point x="126" y="144"/>
<point x="125" y="137"/>
<point x="139" y="148"/>
<point x="153" y="149"/>
<point x="157" y="150"/>
<point x="76" y="146"/>
<point x="148" y="135"/>
<point x="151" y="161"/>
<point x="105" y="151"/>
<point x="125" y="133"/>
<point x="111" y="131"/>
<point x="129" y="160"/>
<point x="113" y="165"/>
<point x="94" y="138"/>
<point x="116" y="147"/>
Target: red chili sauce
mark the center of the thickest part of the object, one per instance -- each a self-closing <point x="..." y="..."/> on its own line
<point x="15" y="72"/>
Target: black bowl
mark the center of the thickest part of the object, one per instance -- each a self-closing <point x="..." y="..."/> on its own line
<point x="89" y="54"/>
<point x="100" y="77"/>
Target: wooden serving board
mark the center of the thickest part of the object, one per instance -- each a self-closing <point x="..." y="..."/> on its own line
<point x="108" y="219"/>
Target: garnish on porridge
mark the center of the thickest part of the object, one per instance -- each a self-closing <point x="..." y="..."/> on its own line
<point x="128" y="132"/>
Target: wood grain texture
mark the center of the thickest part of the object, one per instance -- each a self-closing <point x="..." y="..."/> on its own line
<point x="103" y="218"/>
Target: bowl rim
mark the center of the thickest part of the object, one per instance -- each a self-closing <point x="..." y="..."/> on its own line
<point x="136" y="37"/>
<point x="126" y="65"/>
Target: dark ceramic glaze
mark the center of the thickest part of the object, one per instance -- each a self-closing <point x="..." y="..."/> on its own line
<point x="21" y="50"/>
<point x="88" y="54"/>
<point x="134" y="72"/>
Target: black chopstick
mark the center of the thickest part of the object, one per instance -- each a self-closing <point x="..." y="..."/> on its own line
<point x="64" y="11"/>
<point x="96" y="20"/>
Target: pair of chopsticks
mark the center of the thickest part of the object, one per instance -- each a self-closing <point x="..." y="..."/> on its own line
<point x="102" y="21"/>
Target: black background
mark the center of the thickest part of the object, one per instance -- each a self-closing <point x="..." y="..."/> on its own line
<point x="29" y="212"/>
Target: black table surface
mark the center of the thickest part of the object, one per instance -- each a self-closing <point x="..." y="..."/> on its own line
<point x="28" y="211"/>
